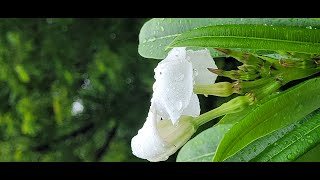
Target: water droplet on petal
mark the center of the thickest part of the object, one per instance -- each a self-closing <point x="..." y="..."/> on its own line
<point x="180" y="77"/>
<point x="195" y="72"/>
<point x="162" y="29"/>
<point x="179" y="106"/>
<point x="154" y="87"/>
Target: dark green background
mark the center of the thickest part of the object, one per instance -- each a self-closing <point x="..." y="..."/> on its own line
<point x="47" y="64"/>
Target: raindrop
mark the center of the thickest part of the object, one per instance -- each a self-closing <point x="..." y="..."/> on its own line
<point x="310" y="141"/>
<point x="179" y="106"/>
<point x="195" y="72"/>
<point x="180" y="77"/>
<point x="265" y="24"/>
<point x="309" y="27"/>
<point x="162" y="29"/>
<point x="154" y="86"/>
<point x="290" y="156"/>
<point x="152" y="39"/>
<point x="144" y="41"/>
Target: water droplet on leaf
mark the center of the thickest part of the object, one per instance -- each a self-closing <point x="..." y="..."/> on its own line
<point x="290" y="156"/>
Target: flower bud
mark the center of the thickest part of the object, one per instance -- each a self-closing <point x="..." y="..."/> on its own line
<point x="222" y="89"/>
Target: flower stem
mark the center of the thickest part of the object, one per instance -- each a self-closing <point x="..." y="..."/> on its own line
<point x="235" y="105"/>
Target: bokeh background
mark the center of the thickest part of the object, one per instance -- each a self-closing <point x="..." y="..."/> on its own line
<point x="74" y="89"/>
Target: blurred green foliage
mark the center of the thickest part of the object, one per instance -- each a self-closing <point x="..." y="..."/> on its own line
<point x="46" y="65"/>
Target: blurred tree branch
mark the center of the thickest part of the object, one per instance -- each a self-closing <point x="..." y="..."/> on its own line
<point x="109" y="137"/>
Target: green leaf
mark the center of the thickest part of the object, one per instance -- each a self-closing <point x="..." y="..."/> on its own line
<point x="256" y="147"/>
<point x="247" y="36"/>
<point x="285" y="108"/>
<point x="202" y="147"/>
<point x="157" y="34"/>
<point x="295" y="143"/>
<point x="311" y="156"/>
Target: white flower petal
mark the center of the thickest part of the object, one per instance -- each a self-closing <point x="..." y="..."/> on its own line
<point x="148" y="144"/>
<point x="174" y="84"/>
<point x="193" y="109"/>
<point x="201" y="60"/>
<point x="158" y="139"/>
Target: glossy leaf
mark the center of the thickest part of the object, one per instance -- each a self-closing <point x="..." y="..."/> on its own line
<point x="270" y="116"/>
<point x="311" y="156"/>
<point x="202" y="147"/>
<point x="295" y="143"/>
<point x="250" y="36"/>
<point x="256" y="147"/>
<point x="157" y="34"/>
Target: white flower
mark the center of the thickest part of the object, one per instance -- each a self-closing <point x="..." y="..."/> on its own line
<point x="158" y="139"/>
<point x="174" y="102"/>
<point x="175" y="77"/>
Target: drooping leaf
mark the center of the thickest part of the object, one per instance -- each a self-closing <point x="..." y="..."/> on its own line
<point x="248" y="36"/>
<point x="157" y="34"/>
<point x="289" y="106"/>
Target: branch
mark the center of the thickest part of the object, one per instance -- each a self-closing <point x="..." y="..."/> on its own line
<point x="83" y="130"/>
<point x="105" y="147"/>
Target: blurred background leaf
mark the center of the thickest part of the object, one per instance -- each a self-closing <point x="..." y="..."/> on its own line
<point x="71" y="89"/>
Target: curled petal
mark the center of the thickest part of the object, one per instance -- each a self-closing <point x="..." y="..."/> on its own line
<point x="158" y="139"/>
<point x="193" y="109"/>
<point x="201" y="60"/>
